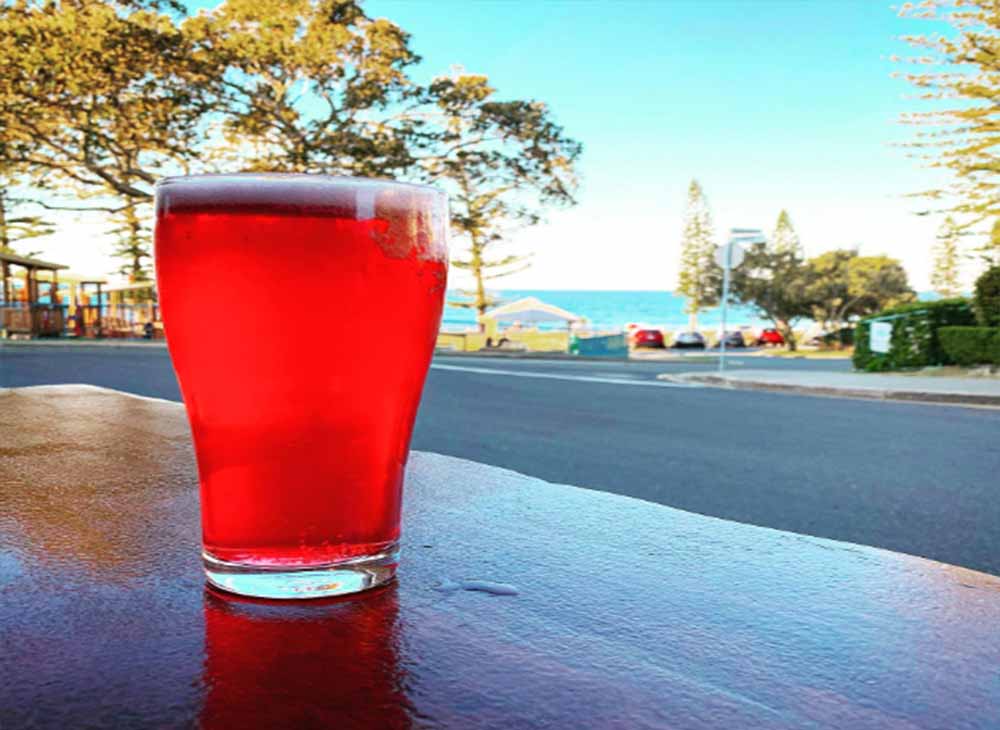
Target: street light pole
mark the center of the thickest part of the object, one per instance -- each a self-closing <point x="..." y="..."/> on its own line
<point x="727" y="258"/>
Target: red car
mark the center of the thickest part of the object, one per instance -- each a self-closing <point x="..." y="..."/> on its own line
<point x="648" y="338"/>
<point x="769" y="337"/>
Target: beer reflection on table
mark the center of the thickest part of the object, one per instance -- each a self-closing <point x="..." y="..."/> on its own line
<point x="322" y="663"/>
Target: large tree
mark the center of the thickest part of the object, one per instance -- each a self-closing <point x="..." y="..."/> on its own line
<point x="844" y="286"/>
<point x="778" y="285"/>
<point x="945" y="260"/>
<point x="830" y="288"/>
<point x="97" y="101"/>
<point x="107" y="97"/>
<point x="96" y="97"/>
<point x="958" y="78"/>
<point x="312" y="86"/>
<point x="503" y="163"/>
<point x="320" y="87"/>
<point x="877" y="283"/>
<point x="699" y="277"/>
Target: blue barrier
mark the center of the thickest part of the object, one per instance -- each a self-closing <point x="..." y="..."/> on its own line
<point x="608" y="346"/>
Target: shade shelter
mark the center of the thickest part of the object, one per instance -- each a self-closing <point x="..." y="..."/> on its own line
<point x="529" y="311"/>
<point x="532" y="310"/>
<point x="22" y="312"/>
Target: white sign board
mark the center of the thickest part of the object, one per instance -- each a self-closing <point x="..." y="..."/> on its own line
<point x="880" y="336"/>
<point x="736" y="255"/>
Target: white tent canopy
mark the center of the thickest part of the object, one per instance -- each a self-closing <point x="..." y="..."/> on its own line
<point x="531" y="310"/>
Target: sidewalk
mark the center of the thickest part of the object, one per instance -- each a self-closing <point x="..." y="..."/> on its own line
<point x="981" y="391"/>
<point x="110" y="342"/>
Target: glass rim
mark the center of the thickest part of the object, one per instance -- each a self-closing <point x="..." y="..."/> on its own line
<point x="293" y="178"/>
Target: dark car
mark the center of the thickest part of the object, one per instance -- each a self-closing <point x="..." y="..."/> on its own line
<point x="732" y="339"/>
<point x="648" y="338"/>
<point x="689" y="340"/>
<point x="770" y="337"/>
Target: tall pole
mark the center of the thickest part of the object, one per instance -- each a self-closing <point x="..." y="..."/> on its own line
<point x="726" y="258"/>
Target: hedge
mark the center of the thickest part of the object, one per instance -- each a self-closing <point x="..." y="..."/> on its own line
<point x="986" y="298"/>
<point x="914" y="342"/>
<point x="971" y="345"/>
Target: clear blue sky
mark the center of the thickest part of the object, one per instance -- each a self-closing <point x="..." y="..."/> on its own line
<point x="770" y="103"/>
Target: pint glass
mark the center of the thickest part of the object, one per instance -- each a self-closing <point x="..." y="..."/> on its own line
<point x="300" y="313"/>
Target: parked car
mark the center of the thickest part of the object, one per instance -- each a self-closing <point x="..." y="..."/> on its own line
<point x="770" y="336"/>
<point x="732" y="339"/>
<point x="689" y="340"/>
<point x="648" y="338"/>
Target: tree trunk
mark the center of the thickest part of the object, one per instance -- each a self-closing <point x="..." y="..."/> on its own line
<point x="789" y="334"/>
<point x="693" y="322"/>
<point x="134" y="242"/>
<point x="4" y="233"/>
<point x="477" y="271"/>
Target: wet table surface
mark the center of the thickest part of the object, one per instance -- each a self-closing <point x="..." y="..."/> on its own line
<point x="627" y="614"/>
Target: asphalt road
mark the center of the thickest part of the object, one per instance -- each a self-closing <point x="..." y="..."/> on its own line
<point x="920" y="479"/>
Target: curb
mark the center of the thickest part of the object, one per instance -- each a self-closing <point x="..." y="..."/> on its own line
<point x="113" y="344"/>
<point x="529" y="356"/>
<point x="557" y="355"/>
<point x="912" y="396"/>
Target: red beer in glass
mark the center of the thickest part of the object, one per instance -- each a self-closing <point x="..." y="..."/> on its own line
<point x="301" y="313"/>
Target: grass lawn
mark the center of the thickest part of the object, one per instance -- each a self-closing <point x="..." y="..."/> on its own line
<point x="805" y="354"/>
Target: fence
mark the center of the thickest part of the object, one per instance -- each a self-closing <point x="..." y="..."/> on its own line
<point x="84" y="321"/>
<point x="41" y="319"/>
<point x="533" y="340"/>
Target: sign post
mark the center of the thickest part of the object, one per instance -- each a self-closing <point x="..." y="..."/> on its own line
<point x="728" y="256"/>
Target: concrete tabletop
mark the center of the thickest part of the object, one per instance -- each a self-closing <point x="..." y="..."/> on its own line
<point x="519" y="604"/>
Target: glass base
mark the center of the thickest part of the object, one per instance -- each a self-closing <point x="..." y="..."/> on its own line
<point x="315" y="581"/>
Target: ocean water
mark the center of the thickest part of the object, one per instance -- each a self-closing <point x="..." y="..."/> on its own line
<point x="611" y="310"/>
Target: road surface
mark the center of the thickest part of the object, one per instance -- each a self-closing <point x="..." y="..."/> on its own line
<point x="920" y="479"/>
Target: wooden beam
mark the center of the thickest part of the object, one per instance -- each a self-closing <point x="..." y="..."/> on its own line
<point x="6" y="284"/>
<point x="100" y="309"/>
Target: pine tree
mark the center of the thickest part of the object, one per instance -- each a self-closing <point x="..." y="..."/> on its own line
<point x="133" y="239"/>
<point x="945" y="272"/>
<point x="699" y="277"/>
<point x="989" y="252"/>
<point x="956" y="72"/>
<point x="16" y="228"/>
<point x="785" y="239"/>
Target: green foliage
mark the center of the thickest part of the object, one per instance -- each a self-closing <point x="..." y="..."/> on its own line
<point x="502" y="162"/>
<point x="699" y="277"/>
<point x="95" y="96"/>
<point x="845" y="285"/>
<point x="778" y="284"/>
<point x="945" y="272"/>
<point x="957" y="75"/>
<point x="877" y="282"/>
<point x="110" y="96"/>
<point x="306" y="86"/>
<point x="914" y="342"/>
<point x="986" y="298"/>
<point x="971" y="345"/>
